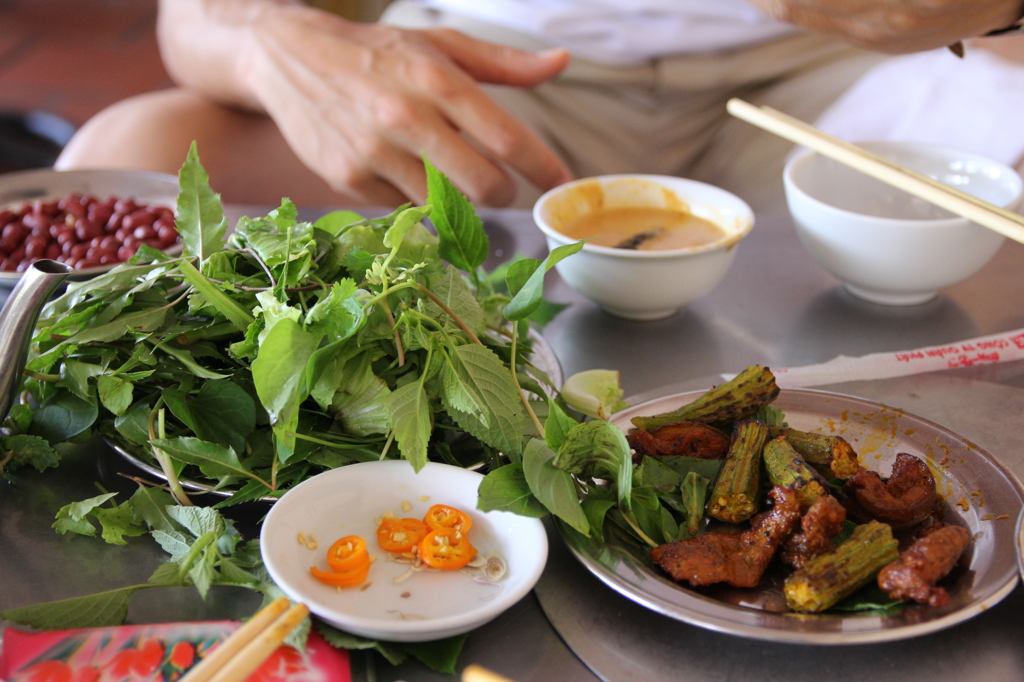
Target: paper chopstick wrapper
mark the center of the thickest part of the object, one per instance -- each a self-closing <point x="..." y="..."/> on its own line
<point x="984" y="350"/>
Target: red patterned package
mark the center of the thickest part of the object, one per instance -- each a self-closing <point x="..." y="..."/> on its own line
<point x="152" y="653"/>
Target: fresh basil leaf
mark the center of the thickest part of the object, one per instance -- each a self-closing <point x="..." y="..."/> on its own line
<point x="526" y="281"/>
<point x="557" y="426"/>
<point x="506" y="489"/>
<point x="552" y="486"/>
<point x="598" y="449"/>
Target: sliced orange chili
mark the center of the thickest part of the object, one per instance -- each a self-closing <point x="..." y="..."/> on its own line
<point x="400" y="535"/>
<point x="347" y="553"/>
<point x="446" y="548"/>
<point x="442" y="516"/>
<point x="342" y="578"/>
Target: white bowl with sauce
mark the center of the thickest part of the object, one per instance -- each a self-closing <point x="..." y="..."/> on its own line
<point x="657" y="243"/>
<point x="887" y="246"/>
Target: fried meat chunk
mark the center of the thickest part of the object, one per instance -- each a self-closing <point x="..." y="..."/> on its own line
<point x="822" y="522"/>
<point x="908" y="497"/>
<point x="688" y="439"/>
<point x="929" y="559"/>
<point x="737" y="559"/>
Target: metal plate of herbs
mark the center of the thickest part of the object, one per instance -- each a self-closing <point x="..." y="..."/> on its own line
<point x="978" y="492"/>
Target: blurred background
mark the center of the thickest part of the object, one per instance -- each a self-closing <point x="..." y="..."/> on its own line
<point x="61" y="61"/>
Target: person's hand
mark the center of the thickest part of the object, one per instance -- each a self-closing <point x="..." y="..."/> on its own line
<point x="896" y="26"/>
<point x="361" y="104"/>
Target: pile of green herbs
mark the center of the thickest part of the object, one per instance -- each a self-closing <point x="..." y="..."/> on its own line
<point x="252" y="363"/>
<point x="256" y="360"/>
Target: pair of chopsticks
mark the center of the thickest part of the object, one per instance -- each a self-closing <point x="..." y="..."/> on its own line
<point x="241" y="653"/>
<point x="1006" y="223"/>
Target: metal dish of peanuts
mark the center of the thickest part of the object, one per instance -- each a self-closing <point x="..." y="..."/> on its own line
<point x="90" y="220"/>
<point x="975" y="491"/>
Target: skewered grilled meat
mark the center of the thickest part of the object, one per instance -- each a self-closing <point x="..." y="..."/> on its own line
<point x="738" y="559"/>
<point x="822" y="522"/>
<point x="688" y="439"/>
<point x="908" y="497"/>
<point x="931" y="557"/>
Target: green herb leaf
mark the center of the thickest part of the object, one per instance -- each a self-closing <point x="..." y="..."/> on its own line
<point x="115" y="393"/>
<point x="29" y="450"/>
<point x="212" y="459"/>
<point x="104" y="609"/>
<point x="526" y="281"/>
<point x="200" y="218"/>
<point x="278" y="373"/>
<point x="409" y="412"/>
<point x="506" y="489"/>
<point x="224" y="304"/>
<point x="440" y="655"/>
<point x="552" y="486"/>
<point x="463" y="242"/>
<point x="501" y="422"/>
<point x="598" y="449"/>
<point x="71" y="517"/>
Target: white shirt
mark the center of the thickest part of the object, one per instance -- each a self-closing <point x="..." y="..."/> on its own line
<point x="623" y="32"/>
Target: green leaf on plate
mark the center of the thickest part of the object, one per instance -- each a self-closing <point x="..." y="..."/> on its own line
<point x="554" y="487"/>
<point x="506" y="489"/>
<point x="200" y="217"/>
<point x="463" y="242"/>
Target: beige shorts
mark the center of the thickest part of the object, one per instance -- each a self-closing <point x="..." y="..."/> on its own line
<point x="667" y="116"/>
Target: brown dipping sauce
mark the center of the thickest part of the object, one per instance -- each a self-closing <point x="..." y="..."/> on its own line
<point x="644" y="229"/>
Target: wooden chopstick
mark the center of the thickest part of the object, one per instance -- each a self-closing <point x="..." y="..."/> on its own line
<point x="241" y="653"/>
<point x="1006" y="223"/>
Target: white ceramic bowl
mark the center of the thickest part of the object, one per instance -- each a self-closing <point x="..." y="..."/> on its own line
<point x="438" y="604"/>
<point x="46" y="184"/>
<point x="885" y="245"/>
<point x="643" y="285"/>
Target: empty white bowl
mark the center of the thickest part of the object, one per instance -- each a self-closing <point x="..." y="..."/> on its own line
<point x="427" y="605"/>
<point x="885" y="245"/>
<point x="643" y="285"/>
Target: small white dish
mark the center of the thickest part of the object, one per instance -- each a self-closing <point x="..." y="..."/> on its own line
<point x="643" y="285"/>
<point x="428" y="605"/>
<point x="885" y="245"/>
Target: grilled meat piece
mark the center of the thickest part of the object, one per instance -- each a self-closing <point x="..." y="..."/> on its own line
<point x="822" y="522"/>
<point x="907" y="498"/>
<point x="738" y="559"/>
<point x="930" y="558"/>
<point x="688" y="439"/>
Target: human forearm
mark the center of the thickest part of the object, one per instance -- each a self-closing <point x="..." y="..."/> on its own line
<point x="207" y="45"/>
<point x="896" y="26"/>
